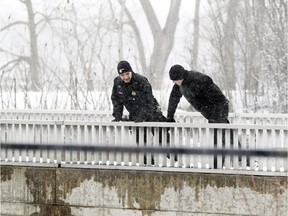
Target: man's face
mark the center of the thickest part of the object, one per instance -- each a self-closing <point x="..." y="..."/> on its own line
<point x="178" y="82"/>
<point x="126" y="76"/>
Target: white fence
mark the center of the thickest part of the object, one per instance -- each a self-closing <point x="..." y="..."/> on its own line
<point x="187" y="117"/>
<point x="89" y="128"/>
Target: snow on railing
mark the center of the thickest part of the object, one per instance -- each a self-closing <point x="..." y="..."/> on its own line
<point x="187" y="117"/>
<point x="34" y="114"/>
<point x="101" y="133"/>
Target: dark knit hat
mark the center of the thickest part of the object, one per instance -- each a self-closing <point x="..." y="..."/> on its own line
<point x="176" y="72"/>
<point x="123" y="67"/>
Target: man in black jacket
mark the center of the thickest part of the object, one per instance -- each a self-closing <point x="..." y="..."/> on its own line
<point x="203" y="94"/>
<point x="133" y="91"/>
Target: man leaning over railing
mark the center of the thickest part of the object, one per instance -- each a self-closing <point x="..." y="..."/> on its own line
<point x="134" y="92"/>
<point x="203" y="94"/>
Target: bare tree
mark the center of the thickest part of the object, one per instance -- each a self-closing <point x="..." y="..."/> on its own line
<point x="33" y="59"/>
<point x="228" y="45"/>
<point x="72" y="58"/>
<point x="225" y="38"/>
<point x="275" y="54"/>
<point x="196" y="26"/>
<point x="163" y="39"/>
<point x="85" y="46"/>
<point x="262" y="57"/>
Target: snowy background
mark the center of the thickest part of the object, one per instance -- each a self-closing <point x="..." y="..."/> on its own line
<point x="60" y="54"/>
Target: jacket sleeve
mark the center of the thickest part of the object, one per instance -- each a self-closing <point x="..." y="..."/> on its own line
<point x="146" y="104"/>
<point x="117" y="105"/>
<point x="146" y="100"/>
<point x="174" y="99"/>
<point x="147" y="94"/>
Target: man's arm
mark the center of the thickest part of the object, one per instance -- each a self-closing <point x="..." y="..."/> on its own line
<point x="117" y="105"/>
<point x="174" y="99"/>
<point x="146" y="100"/>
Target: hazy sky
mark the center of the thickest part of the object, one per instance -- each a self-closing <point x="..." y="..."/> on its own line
<point x="14" y="10"/>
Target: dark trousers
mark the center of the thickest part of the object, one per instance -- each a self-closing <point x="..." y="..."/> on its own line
<point x="220" y="115"/>
<point x="153" y="133"/>
<point x="156" y="117"/>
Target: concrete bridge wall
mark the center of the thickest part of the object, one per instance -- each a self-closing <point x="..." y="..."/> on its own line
<point x="84" y="192"/>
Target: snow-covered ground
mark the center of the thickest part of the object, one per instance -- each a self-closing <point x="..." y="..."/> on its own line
<point x="100" y="100"/>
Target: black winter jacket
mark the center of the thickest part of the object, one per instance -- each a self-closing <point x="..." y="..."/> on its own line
<point x="137" y="98"/>
<point x="200" y="91"/>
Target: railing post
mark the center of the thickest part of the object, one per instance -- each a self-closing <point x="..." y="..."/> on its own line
<point x="210" y="142"/>
<point x="103" y="141"/>
<point x="118" y="142"/>
<point x="259" y="141"/>
<point x="253" y="134"/>
<point x="195" y="142"/>
<point x="88" y="141"/>
<point x="51" y="137"/>
<point x="268" y="163"/>
<point x="45" y="139"/>
<point x="30" y="140"/>
<point x="178" y="143"/>
<point x="59" y="141"/>
<point x="236" y="146"/>
<point x="220" y="159"/>
<point x="186" y="143"/>
<point x="111" y="142"/>
<point x="228" y="145"/>
<point x="284" y="145"/>
<point x="68" y="140"/>
<point x="148" y="144"/>
<point x="10" y="137"/>
<point x="96" y="141"/>
<point x="204" y="144"/>
<point x="141" y="143"/>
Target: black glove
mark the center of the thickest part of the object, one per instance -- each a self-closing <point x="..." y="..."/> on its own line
<point x="116" y="120"/>
<point x="138" y="119"/>
<point x="170" y="120"/>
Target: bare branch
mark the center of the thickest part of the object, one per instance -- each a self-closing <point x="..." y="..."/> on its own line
<point x="138" y="37"/>
<point x="13" y="24"/>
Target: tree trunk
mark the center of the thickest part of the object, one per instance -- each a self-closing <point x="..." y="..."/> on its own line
<point x="34" y="62"/>
<point x="120" y="31"/>
<point x="194" y="63"/>
<point x="163" y="40"/>
<point x="228" y="46"/>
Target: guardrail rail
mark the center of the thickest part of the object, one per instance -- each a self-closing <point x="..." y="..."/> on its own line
<point x="81" y="128"/>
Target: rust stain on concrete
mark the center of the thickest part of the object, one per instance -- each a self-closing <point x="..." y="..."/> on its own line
<point x="6" y="173"/>
<point x="49" y="210"/>
<point x="42" y="184"/>
<point x="140" y="190"/>
<point x="146" y="188"/>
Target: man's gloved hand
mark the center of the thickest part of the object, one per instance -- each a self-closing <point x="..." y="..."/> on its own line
<point x="116" y="120"/>
<point x="138" y="119"/>
<point x="170" y="120"/>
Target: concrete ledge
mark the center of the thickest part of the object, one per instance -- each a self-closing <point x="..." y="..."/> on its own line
<point x="82" y="191"/>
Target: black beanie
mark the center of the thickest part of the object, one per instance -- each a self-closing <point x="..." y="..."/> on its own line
<point x="123" y="67"/>
<point x="176" y="72"/>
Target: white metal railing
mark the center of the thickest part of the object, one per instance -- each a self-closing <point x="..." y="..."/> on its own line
<point x="187" y="117"/>
<point x="191" y="135"/>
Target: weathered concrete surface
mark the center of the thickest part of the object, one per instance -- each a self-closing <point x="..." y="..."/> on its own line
<point x="67" y="191"/>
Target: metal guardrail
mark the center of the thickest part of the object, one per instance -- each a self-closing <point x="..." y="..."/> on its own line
<point x="152" y="150"/>
<point x="187" y="117"/>
<point x="192" y="136"/>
